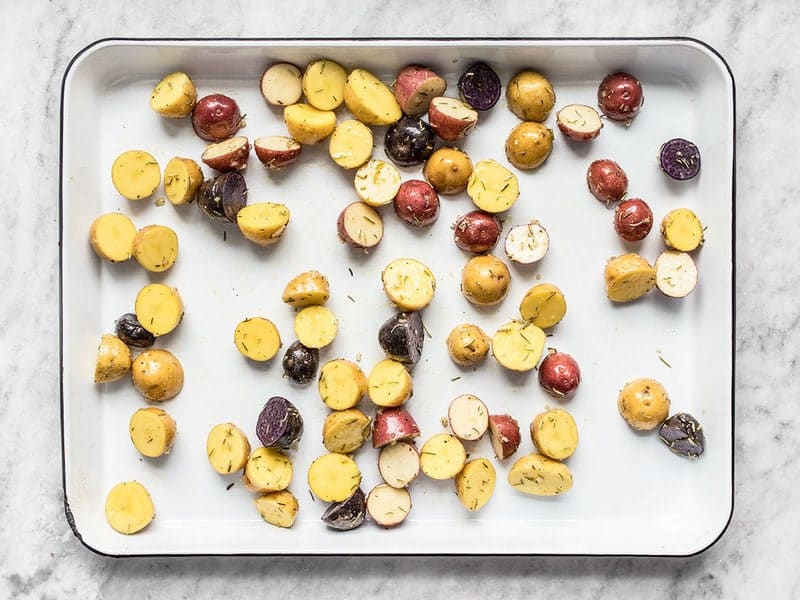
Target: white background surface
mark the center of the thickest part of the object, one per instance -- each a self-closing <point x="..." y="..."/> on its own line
<point x="39" y="555"/>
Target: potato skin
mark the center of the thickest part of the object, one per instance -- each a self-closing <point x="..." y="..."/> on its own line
<point x="477" y="231"/>
<point x="628" y="277"/>
<point x="467" y="344"/>
<point x="485" y="280"/>
<point x="530" y="96"/>
<point x="643" y="403"/>
<point x="528" y="145"/>
<point x="475" y="483"/>
<point x="157" y="374"/>
<point x="306" y="289"/>
<point x="113" y="359"/>
<point x="448" y="170"/>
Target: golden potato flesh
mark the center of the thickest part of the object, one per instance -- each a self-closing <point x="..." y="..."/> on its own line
<point x="643" y="403"/>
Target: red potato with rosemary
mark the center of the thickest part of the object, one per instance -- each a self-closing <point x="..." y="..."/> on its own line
<point x="477" y="231"/>
<point x="579" y="122"/>
<point x="277" y="151"/>
<point x="505" y="435"/>
<point x="415" y="86"/>
<point x="442" y="456"/>
<point x="559" y="374"/>
<point x="388" y="506"/>
<point x="360" y="226"/>
<point x="216" y="117"/>
<point x="607" y="181"/>
<point x="633" y="219"/>
<point x="398" y="464"/>
<point x="417" y="203"/>
<point x="282" y="84"/>
<point x="468" y="417"/>
<point x="451" y="118"/>
<point x="676" y="274"/>
<point x="620" y="96"/>
<point x="475" y="483"/>
<point x="228" y="155"/>
<point x="393" y="425"/>
<point x="527" y="244"/>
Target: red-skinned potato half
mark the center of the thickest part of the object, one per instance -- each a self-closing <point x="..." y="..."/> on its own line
<point x="451" y="118"/>
<point x="505" y="435"/>
<point x="477" y="231"/>
<point x="415" y="86"/>
<point x="417" y="203"/>
<point x="559" y="374"/>
<point x="393" y="425"/>
<point x="277" y="151"/>
<point x="606" y="180"/>
<point x="633" y="219"/>
<point x="228" y="155"/>
<point x="216" y="117"/>
<point x="620" y="96"/>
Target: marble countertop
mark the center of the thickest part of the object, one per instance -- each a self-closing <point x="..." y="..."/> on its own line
<point x="40" y="557"/>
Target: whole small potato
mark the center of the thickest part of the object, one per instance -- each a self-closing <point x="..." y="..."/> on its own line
<point x="485" y="280"/>
<point x="559" y="374"/>
<point x="448" y="170"/>
<point x="417" y="203"/>
<point x="620" y="96"/>
<point x="528" y="145"/>
<point x="633" y="219"/>
<point x="643" y="403"/>
<point x="216" y="117"/>
<point x="467" y="344"/>
<point x="606" y="180"/>
<point x="477" y="231"/>
<point x="530" y="96"/>
<point x="157" y="374"/>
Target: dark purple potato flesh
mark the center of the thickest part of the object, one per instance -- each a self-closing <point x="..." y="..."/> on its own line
<point x="409" y="142"/>
<point x="222" y="197"/>
<point x="279" y="424"/>
<point x="347" y="514"/>
<point x="683" y="435"/>
<point x="402" y="337"/>
<point x="300" y="363"/>
<point x="479" y="86"/>
<point x="679" y="158"/>
<point x="130" y="331"/>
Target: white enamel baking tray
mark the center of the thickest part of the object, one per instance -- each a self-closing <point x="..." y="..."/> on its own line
<point x="631" y="495"/>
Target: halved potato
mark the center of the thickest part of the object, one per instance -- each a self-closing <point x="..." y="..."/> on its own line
<point x="309" y="288"/>
<point x="159" y="308"/>
<point x="157" y="374"/>
<point x="129" y="507"/>
<point x="389" y="383"/>
<point x="227" y="448"/>
<point x="518" y="345"/>
<point x="316" y="326"/>
<point x="351" y="144"/>
<point x="309" y="125"/>
<point x="174" y="96"/>
<point x="492" y="187"/>
<point x="442" y="456"/>
<point x="555" y="433"/>
<point x="136" y="174"/>
<point x="544" y="305"/>
<point x="682" y="230"/>
<point x="369" y="99"/>
<point x="475" y="483"/>
<point x="111" y="236"/>
<point x="257" y="338"/>
<point x="182" y="180"/>
<point x="333" y="477"/>
<point x="263" y="222"/>
<point x="267" y="470"/>
<point x="155" y="247"/>
<point x="408" y="283"/>
<point x="344" y="431"/>
<point x="323" y="84"/>
<point x="278" y="508"/>
<point x="539" y="475"/>
<point x="113" y="360"/>
<point x="152" y="431"/>
<point x="342" y="384"/>
<point x="628" y="277"/>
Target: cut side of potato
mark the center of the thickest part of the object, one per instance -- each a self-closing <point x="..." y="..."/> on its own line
<point x="468" y="417"/>
<point x="555" y="433"/>
<point x="308" y="125"/>
<point x="267" y="470"/>
<point x="682" y="230"/>
<point x="492" y="187"/>
<point x="351" y="144"/>
<point x="129" y="507"/>
<point x="152" y="431"/>
<point x="467" y="344"/>
<point x="388" y="506"/>
<point x="342" y="384"/>
<point x="333" y="477"/>
<point x="345" y="431"/>
<point x="263" y="222"/>
<point x="442" y="456"/>
<point x="316" y="326"/>
<point x="544" y="305"/>
<point x="278" y="508"/>
<point x="174" y="96"/>
<point x="277" y="151"/>
<point x="257" y="338"/>
<point x="227" y="448"/>
<point x="628" y="277"/>
<point x="323" y="84"/>
<point x="398" y="464"/>
<point x="377" y="182"/>
<point x="579" y="122"/>
<point x="518" y="345"/>
<point x="155" y="248"/>
<point x="113" y="360"/>
<point x="389" y="383"/>
<point x="409" y="283"/>
<point x="360" y="226"/>
<point x="369" y="99"/>
<point x="136" y="174"/>
<point x="527" y="244"/>
<point x="475" y="483"/>
<point x="231" y="154"/>
<point x="157" y="374"/>
<point x="540" y="476"/>
<point x="676" y="274"/>
<point x="182" y="180"/>
<point x="309" y="288"/>
<point x="159" y="308"/>
<point x="282" y="84"/>
<point x="111" y="236"/>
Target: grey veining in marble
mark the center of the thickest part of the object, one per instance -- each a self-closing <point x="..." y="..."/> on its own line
<point x="757" y="557"/>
